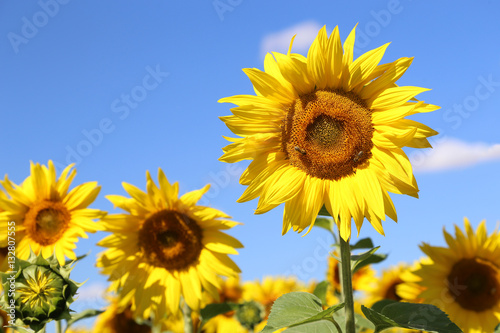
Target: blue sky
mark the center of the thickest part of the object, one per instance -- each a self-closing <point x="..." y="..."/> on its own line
<point x="125" y="87"/>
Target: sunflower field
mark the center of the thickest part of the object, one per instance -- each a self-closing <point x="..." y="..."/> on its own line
<point x="326" y="188"/>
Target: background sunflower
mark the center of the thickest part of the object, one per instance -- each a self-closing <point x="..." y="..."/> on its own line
<point x="164" y="248"/>
<point x="463" y="278"/>
<point x="46" y="216"/>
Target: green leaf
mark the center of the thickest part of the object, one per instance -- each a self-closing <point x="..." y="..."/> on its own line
<point x="365" y="243"/>
<point x="301" y="309"/>
<point x="327" y="224"/>
<point x="423" y="317"/>
<point x="89" y="313"/>
<point x="380" y="321"/>
<point x="363" y="324"/>
<point x="366" y="258"/>
<point x="320" y="291"/>
<point x="318" y="326"/>
<point x="212" y="310"/>
<point x="71" y="261"/>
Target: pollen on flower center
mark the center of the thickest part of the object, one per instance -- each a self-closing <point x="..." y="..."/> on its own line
<point x="46" y="221"/>
<point x="171" y="240"/>
<point x="475" y="284"/>
<point x="327" y="134"/>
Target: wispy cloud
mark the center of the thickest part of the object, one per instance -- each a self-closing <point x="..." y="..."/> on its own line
<point x="280" y="41"/>
<point x="453" y="153"/>
<point x="92" y="295"/>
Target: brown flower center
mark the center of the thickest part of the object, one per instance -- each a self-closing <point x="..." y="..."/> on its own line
<point x="390" y="293"/>
<point x="124" y="323"/>
<point x="230" y="294"/>
<point x="475" y="284"/>
<point x="171" y="240"/>
<point x="46" y="221"/>
<point x="327" y="134"/>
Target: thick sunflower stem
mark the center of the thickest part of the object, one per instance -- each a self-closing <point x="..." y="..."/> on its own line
<point x="58" y="327"/>
<point x="347" y="292"/>
<point x="188" y="321"/>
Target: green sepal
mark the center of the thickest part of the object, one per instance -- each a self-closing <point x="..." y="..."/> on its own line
<point x="324" y="212"/>
<point x="36" y="313"/>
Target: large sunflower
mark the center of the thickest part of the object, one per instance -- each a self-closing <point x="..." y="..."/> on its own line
<point x="165" y="247"/>
<point x="327" y="130"/>
<point x="463" y="279"/>
<point x="46" y="215"/>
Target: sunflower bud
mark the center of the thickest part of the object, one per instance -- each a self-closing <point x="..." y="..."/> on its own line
<point x="249" y="314"/>
<point x="42" y="291"/>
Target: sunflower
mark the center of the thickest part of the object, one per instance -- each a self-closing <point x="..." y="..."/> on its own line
<point x="4" y="263"/>
<point x="46" y="215"/>
<point x="165" y="247"/>
<point x="361" y="277"/>
<point x="114" y="320"/>
<point x="230" y="291"/>
<point x="327" y="130"/>
<point x="410" y="289"/>
<point x="384" y="287"/>
<point x="463" y="279"/>
<point x="268" y="291"/>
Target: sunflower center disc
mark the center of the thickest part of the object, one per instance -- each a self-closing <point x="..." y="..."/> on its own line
<point x="328" y="133"/>
<point x="171" y="240"/>
<point x="124" y="322"/>
<point x="391" y="291"/>
<point x="475" y="284"/>
<point x="46" y="221"/>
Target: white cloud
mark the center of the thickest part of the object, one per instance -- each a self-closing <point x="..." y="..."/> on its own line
<point x="280" y="41"/>
<point x="92" y="295"/>
<point x="453" y="153"/>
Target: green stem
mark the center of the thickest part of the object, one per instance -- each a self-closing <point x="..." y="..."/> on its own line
<point x="188" y="321"/>
<point x="347" y="292"/>
<point x="339" y="330"/>
<point x="58" y="327"/>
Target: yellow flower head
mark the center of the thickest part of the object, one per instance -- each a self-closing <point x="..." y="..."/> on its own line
<point x="45" y="214"/>
<point x="463" y="279"/>
<point x="165" y="247"/>
<point x="230" y="291"/>
<point x="327" y="130"/>
<point x="115" y="320"/>
<point x="268" y="291"/>
<point x="384" y="287"/>
<point x="363" y="276"/>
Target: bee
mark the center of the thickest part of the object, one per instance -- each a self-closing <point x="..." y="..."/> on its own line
<point x="358" y="156"/>
<point x="300" y="150"/>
